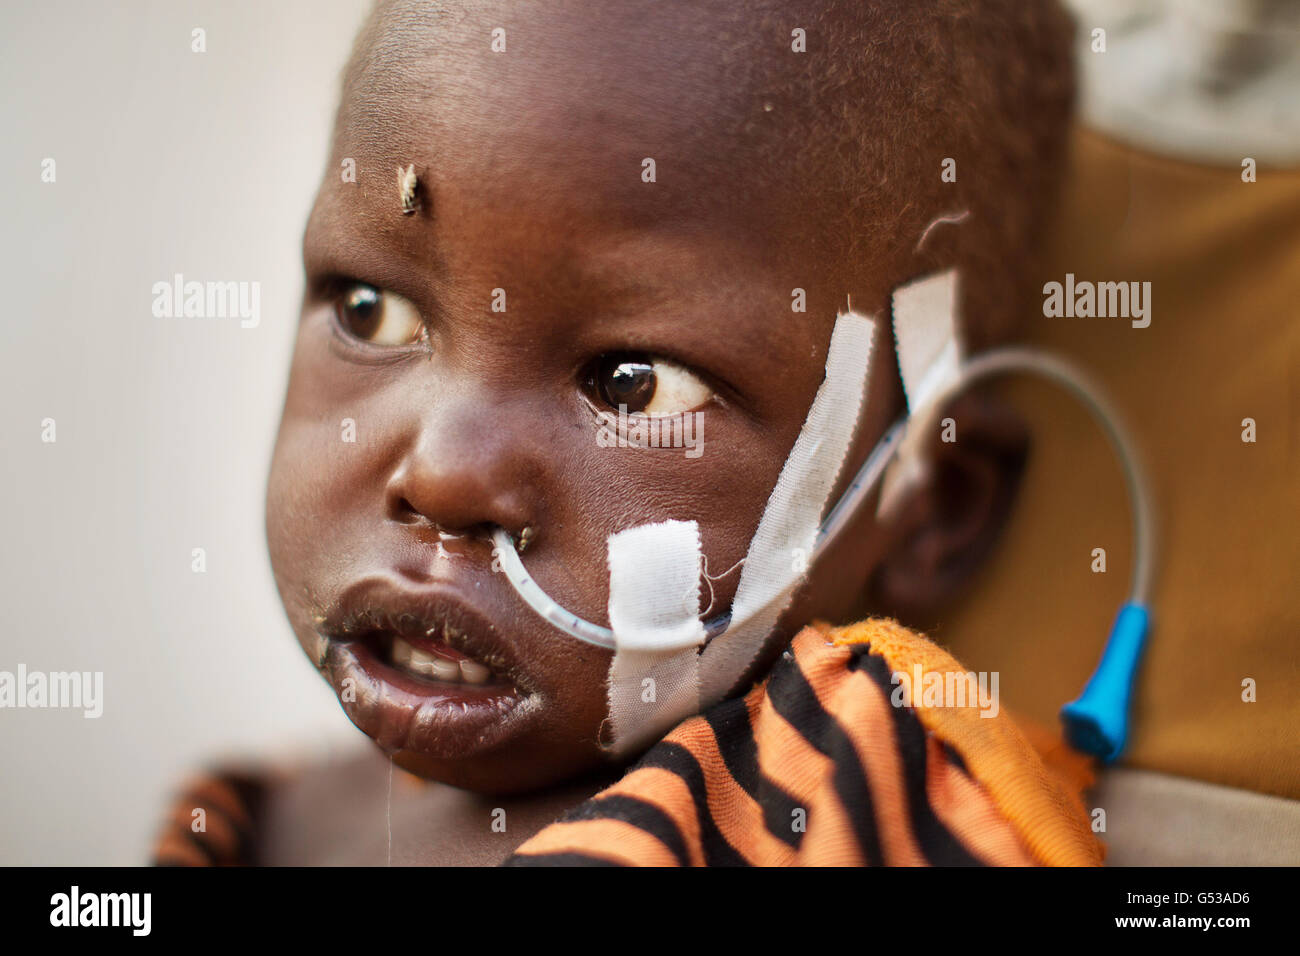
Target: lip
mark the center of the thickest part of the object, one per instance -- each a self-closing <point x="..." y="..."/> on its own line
<point x="401" y="712"/>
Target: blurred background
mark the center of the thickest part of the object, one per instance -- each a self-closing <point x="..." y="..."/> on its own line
<point x="170" y="161"/>
<point x="167" y="161"/>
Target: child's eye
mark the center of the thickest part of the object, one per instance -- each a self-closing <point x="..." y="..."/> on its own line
<point x="378" y="317"/>
<point x="647" y="385"/>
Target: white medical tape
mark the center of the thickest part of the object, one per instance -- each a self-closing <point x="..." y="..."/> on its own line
<point x="929" y="362"/>
<point x="654" y="587"/>
<point x="925" y="328"/>
<point x="658" y="677"/>
<point x="654" y="612"/>
<point x="650" y="692"/>
<point x="684" y="681"/>
<point x="782" y="547"/>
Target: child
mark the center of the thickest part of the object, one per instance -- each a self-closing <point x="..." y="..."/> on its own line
<point x="562" y="213"/>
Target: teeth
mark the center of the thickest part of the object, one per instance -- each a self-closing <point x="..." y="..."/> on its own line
<point x="401" y="652"/>
<point x="473" y="672"/>
<point x="444" y="669"/>
<point x="431" y="665"/>
<point x="436" y="667"/>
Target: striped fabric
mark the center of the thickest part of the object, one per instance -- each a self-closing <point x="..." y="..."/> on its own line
<point x="816" y="767"/>
<point x="223" y="833"/>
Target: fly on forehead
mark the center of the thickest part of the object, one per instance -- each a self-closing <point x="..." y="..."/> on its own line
<point x="407" y="186"/>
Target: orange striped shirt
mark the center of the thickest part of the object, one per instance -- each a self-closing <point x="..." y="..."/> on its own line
<point x="816" y="765"/>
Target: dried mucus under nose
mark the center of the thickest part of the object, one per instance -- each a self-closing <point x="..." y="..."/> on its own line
<point x="526" y="538"/>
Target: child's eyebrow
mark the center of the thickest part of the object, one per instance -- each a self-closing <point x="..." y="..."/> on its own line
<point x="337" y="242"/>
<point x="619" y="287"/>
<point x="580" y="284"/>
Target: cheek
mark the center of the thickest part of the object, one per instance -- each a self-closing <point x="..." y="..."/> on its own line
<point x="295" y="521"/>
<point x="325" y="496"/>
<point x="724" y="490"/>
<point x="318" y="466"/>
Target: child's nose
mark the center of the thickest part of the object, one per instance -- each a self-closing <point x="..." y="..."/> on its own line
<point x="463" y="477"/>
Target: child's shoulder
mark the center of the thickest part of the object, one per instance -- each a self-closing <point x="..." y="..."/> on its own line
<point x="836" y="759"/>
<point x="346" y="808"/>
<point x="307" y="809"/>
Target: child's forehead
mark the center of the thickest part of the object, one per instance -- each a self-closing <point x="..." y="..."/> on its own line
<point x="589" y="127"/>
<point x="506" y="128"/>
<point x="647" y="48"/>
<point x="583" y="99"/>
<point x="542" y="166"/>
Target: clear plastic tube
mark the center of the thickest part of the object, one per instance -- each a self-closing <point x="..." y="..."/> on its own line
<point x="985" y="365"/>
<point x="1045" y="365"/>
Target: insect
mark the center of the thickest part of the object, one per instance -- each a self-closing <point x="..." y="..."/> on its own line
<point x="407" y="184"/>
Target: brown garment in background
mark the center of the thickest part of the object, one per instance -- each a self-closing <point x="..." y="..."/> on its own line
<point x="1223" y="257"/>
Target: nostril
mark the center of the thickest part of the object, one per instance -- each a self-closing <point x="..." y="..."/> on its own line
<point x="402" y="511"/>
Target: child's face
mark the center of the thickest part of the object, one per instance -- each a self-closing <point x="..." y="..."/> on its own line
<point x="418" y="418"/>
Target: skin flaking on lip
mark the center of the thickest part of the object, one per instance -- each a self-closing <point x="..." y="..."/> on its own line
<point x="453" y="723"/>
<point x="427" y="623"/>
<point x="404" y="709"/>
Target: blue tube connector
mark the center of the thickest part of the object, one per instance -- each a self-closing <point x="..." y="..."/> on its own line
<point x="1097" y="722"/>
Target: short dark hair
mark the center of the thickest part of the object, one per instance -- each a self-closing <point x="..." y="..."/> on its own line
<point x="896" y="87"/>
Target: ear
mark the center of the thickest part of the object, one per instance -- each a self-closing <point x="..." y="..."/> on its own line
<point x="948" y="522"/>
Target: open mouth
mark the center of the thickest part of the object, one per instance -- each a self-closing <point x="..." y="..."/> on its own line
<point x="432" y="659"/>
<point x="423" y="673"/>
